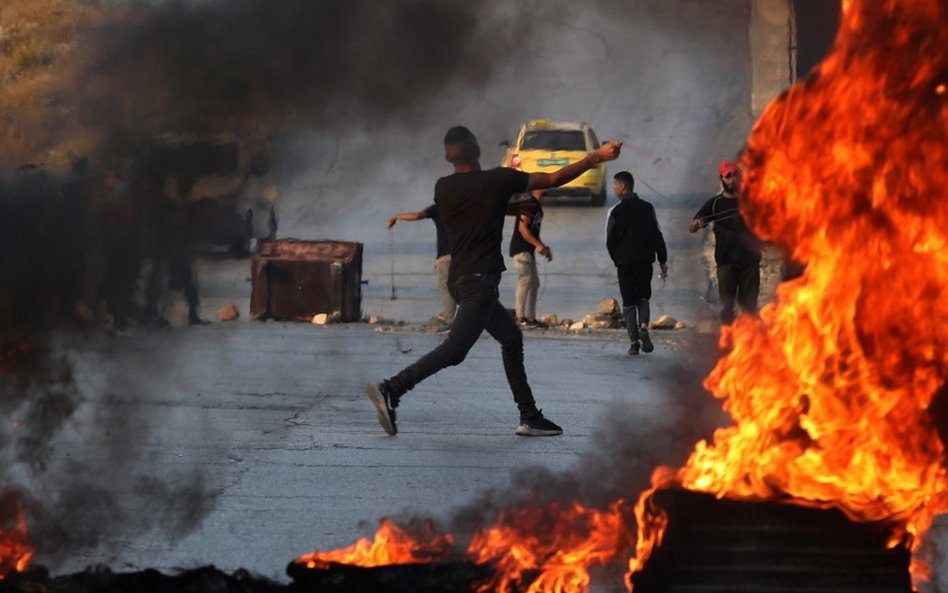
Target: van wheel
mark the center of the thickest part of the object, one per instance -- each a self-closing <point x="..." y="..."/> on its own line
<point x="599" y="199"/>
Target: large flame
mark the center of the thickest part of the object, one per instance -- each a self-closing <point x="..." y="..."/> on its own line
<point x="15" y="549"/>
<point x="830" y="389"/>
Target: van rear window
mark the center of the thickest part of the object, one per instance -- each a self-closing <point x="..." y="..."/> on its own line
<point x="553" y="140"/>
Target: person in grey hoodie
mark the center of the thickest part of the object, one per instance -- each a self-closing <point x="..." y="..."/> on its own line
<point x="634" y="241"/>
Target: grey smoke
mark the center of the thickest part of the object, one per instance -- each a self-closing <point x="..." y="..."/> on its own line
<point x="220" y="64"/>
<point x="630" y="441"/>
<point x="197" y="67"/>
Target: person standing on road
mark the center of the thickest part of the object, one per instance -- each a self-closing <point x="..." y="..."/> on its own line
<point x="442" y="258"/>
<point x="736" y="250"/>
<point x="473" y="204"/>
<point x="634" y="241"/>
<point x="525" y="243"/>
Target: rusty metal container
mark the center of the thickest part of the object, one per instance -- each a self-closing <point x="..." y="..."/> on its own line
<point x="295" y="280"/>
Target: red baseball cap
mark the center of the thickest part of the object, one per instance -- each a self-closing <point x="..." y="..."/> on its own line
<point x="728" y="167"/>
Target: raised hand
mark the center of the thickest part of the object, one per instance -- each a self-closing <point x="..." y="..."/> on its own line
<point x="609" y="150"/>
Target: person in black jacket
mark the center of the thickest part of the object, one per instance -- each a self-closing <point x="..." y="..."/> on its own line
<point x="634" y="240"/>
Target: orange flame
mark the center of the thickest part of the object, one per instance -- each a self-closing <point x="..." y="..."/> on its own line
<point x="559" y="543"/>
<point x="552" y="547"/>
<point x="15" y="551"/>
<point x="392" y="544"/>
<point x="830" y="389"/>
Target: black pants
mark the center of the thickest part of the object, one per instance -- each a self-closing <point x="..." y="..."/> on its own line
<point x="478" y="309"/>
<point x="171" y="272"/>
<point x="635" y="285"/>
<point x="124" y="264"/>
<point x="738" y="283"/>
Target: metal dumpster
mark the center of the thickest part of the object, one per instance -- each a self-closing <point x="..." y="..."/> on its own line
<point x="295" y="280"/>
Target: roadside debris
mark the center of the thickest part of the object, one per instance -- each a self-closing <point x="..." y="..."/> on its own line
<point x="228" y="313"/>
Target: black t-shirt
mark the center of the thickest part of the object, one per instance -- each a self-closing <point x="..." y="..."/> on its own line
<point x="734" y="242"/>
<point x="533" y="209"/>
<point x="444" y="247"/>
<point x="472" y="207"/>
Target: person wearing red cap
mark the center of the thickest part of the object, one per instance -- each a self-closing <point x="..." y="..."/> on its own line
<point x="736" y="250"/>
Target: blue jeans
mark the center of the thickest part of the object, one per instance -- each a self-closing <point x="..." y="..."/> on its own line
<point x="479" y="309"/>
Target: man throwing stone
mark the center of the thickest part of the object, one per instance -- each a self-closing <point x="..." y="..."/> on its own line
<point x="473" y="203"/>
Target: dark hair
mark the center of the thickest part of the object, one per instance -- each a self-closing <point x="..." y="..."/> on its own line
<point x="626" y="178"/>
<point x="460" y="145"/>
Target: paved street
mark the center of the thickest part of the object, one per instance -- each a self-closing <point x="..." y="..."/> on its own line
<point x="270" y="423"/>
<point x="246" y="444"/>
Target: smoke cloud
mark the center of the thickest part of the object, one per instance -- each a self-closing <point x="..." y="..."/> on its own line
<point x="76" y="225"/>
<point x="251" y="64"/>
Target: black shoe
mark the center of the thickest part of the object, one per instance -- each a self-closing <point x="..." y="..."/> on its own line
<point x="195" y="320"/>
<point x="634" y="349"/>
<point x="381" y="396"/>
<point x="647" y="345"/>
<point x="538" y="426"/>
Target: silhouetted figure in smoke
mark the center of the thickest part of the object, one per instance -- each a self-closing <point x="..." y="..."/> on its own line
<point x="473" y="204"/>
<point x="72" y="229"/>
<point x="122" y="242"/>
<point x="737" y="251"/>
<point x="169" y="250"/>
<point x="41" y="248"/>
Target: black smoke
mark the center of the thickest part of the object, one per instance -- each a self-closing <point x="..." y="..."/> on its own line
<point x="229" y="64"/>
<point x="73" y="238"/>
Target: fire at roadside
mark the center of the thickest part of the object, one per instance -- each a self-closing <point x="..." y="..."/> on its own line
<point x="824" y="384"/>
<point x="834" y="396"/>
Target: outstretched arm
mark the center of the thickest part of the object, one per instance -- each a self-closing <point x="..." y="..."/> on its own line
<point x="405" y="216"/>
<point x="607" y="152"/>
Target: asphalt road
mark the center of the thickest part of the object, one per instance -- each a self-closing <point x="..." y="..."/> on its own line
<point x="265" y="446"/>
<point x="246" y="444"/>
